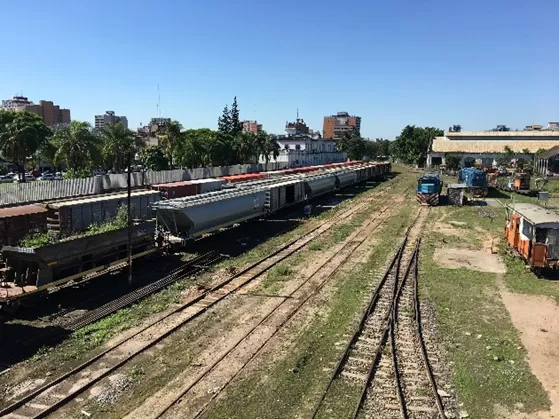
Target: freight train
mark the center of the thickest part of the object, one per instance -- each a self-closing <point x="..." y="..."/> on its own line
<point x="475" y="181"/>
<point x="429" y="188"/>
<point x="29" y="272"/>
<point x="532" y="232"/>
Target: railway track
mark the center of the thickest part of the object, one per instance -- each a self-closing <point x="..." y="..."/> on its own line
<point x="292" y="303"/>
<point x="191" y="267"/>
<point x="386" y="355"/>
<point x="55" y="394"/>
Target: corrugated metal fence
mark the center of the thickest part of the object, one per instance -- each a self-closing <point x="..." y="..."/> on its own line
<point x="22" y="193"/>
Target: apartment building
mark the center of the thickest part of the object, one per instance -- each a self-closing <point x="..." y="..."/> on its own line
<point x="336" y="126"/>
<point x="51" y="114"/>
<point x="110" y="118"/>
<point x="252" y="126"/>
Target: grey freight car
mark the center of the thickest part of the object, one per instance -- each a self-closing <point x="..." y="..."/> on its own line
<point x="68" y="217"/>
<point x="190" y="218"/>
<point x="316" y="185"/>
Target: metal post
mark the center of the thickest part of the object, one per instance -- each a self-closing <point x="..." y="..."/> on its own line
<point x="129" y="200"/>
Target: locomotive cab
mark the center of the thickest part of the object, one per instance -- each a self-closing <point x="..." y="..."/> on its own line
<point x="533" y="233"/>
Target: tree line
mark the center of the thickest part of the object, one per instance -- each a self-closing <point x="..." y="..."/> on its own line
<point x="25" y="140"/>
<point x="410" y="147"/>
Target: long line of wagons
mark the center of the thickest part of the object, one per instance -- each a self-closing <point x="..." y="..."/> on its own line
<point x="184" y="210"/>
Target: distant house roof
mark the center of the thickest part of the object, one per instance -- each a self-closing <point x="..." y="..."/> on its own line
<point x="495" y="142"/>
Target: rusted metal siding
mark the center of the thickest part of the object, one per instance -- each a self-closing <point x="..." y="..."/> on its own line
<point x="18" y="222"/>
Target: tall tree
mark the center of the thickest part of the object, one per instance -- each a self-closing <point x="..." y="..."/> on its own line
<point x="118" y="143"/>
<point x="353" y="145"/>
<point x="412" y="145"/>
<point x="236" y="124"/>
<point x="272" y="150"/>
<point x="260" y="147"/>
<point x="170" y="137"/>
<point x="22" y="134"/>
<point x="224" y="121"/>
<point x="244" y="147"/>
<point x="78" y="146"/>
<point x="153" y="158"/>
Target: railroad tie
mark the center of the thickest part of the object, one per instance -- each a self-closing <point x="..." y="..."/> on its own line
<point x="354" y="376"/>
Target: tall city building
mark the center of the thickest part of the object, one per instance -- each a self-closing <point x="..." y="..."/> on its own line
<point x="252" y="126"/>
<point x="110" y="118"/>
<point x="51" y="114"/>
<point x="336" y="126"/>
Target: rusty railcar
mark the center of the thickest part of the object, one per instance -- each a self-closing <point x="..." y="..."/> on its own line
<point x="533" y="234"/>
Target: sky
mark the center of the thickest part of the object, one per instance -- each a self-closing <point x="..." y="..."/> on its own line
<point x="418" y="62"/>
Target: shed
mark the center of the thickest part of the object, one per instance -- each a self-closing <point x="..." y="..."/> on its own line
<point x="547" y="160"/>
<point x="455" y="192"/>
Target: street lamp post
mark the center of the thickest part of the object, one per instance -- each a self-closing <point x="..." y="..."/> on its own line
<point x="129" y="218"/>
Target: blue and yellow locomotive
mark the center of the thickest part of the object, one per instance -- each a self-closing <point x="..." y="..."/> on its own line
<point x="429" y="187"/>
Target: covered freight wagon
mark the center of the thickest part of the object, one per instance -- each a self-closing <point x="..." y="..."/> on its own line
<point x="475" y="180"/>
<point x="19" y="222"/>
<point x="193" y="216"/>
<point x="68" y="217"/>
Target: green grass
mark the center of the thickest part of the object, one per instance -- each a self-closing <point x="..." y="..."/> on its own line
<point x="289" y="386"/>
<point x="468" y="302"/>
<point x="521" y="280"/>
<point x="276" y="277"/>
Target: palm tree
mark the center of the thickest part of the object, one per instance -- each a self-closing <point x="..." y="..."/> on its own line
<point x="261" y="145"/>
<point x="22" y="134"/>
<point x="272" y="149"/>
<point x="77" y="145"/>
<point x="170" y="137"/>
<point x="118" y="144"/>
<point x="244" y="146"/>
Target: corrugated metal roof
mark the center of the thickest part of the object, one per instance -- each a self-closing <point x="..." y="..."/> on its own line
<point x="23" y="210"/>
<point x="444" y="145"/>
<point x="549" y="153"/>
<point x="535" y="213"/>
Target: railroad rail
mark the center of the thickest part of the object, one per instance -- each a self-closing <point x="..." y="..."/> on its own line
<point x="386" y="350"/>
<point x="330" y="266"/>
<point x="191" y="267"/>
<point x="55" y="394"/>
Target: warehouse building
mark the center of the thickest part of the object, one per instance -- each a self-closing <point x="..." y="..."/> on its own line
<point x="488" y="147"/>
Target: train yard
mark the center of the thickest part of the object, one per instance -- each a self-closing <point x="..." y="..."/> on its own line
<point x="352" y="313"/>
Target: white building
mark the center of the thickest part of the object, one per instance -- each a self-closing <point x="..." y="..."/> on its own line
<point x="16" y="103"/>
<point x="303" y="150"/>
<point x="110" y="118"/>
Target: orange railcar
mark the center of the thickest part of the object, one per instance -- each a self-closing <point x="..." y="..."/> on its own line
<point x="533" y="233"/>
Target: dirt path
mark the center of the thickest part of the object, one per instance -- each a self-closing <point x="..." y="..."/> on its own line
<point x="537" y="319"/>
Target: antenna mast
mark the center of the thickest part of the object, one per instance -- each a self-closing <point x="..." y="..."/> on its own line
<point x="158" y="102"/>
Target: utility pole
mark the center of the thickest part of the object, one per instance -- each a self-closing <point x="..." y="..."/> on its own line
<point x="129" y="200"/>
